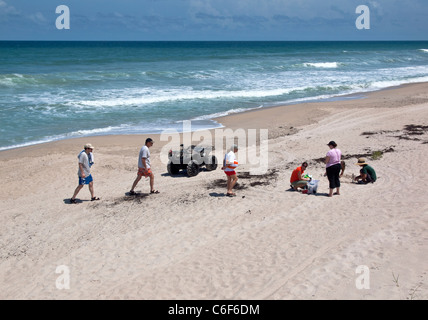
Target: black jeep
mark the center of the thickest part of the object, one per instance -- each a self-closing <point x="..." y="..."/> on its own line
<point x="192" y="159"/>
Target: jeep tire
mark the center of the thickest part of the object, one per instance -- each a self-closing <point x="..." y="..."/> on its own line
<point x="173" y="168"/>
<point x="192" y="168"/>
<point x="212" y="164"/>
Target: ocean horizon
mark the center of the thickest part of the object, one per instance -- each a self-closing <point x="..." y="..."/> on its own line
<point x="53" y="90"/>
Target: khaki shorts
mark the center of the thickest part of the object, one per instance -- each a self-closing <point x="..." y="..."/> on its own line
<point x="299" y="182"/>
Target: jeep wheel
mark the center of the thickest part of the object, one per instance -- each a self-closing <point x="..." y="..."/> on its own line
<point x="192" y="168"/>
<point x="212" y="165"/>
<point x="173" y="168"/>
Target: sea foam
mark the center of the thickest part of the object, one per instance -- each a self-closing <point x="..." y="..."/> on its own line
<point x="328" y="65"/>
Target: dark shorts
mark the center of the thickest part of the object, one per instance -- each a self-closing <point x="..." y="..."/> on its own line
<point x="230" y="173"/>
<point x="333" y="173"/>
<point x="86" y="180"/>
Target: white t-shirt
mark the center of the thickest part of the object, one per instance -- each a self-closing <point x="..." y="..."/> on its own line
<point x="84" y="160"/>
<point x="144" y="153"/>
<point x="230" y="157"/>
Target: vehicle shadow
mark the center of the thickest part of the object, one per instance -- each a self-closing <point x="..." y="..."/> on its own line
<point x="182" y="173"/>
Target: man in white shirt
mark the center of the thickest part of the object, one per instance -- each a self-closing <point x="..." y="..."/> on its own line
<point x="84" y="172"/>
<point x="144" y="168"/>
<point x="229" y="165"/>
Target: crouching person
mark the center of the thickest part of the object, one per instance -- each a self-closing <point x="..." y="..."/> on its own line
<point x="367" y="173"/>
<point x="297" y="180"/>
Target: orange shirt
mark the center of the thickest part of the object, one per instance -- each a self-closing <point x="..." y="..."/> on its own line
<point x="295" y="174"/>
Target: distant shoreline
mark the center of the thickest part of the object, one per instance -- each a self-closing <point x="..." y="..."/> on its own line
<point x="199" y="81"/>
<point x="225" y="121"/>
<point x="280" y="120"/>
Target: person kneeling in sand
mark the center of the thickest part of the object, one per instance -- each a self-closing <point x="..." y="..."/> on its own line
<point x="85" y="162"/>
<point x="297" y="180"/>
<point x="229" y="166"/>
<point x="144" y="168"/>
<point x="367" y="173"/>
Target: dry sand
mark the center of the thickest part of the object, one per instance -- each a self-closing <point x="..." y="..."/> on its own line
<point x="192" y="242"/>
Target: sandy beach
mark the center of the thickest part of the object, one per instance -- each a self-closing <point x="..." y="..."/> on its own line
<point x="193" y="242"/>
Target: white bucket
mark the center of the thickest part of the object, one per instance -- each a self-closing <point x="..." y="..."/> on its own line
<point x="313" y="186"/>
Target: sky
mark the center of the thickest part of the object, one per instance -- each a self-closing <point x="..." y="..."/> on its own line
<point x="213" y="20"/>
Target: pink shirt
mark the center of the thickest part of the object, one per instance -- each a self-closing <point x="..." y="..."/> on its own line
<point x="335" y="156"/>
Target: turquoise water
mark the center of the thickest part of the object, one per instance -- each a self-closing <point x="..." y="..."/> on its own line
<point x="57" y="90"/>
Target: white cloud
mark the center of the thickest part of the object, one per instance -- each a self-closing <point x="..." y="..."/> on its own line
<point x="38" y="18"/>
<point x="7" y="9"/>
<point x="217" y="18"/>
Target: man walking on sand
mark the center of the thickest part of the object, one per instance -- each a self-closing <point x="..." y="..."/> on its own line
<point x="144" y="168"/>
<point x="229" y="166"/>
<point x="85" y="177"/>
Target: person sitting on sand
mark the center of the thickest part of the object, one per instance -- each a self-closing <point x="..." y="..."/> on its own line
<point x="229" y="166"/>
<point x="367" y="173"/>
<point x="297" y="180"/>
<point x="144" y="168"/>
<point x="85" y="162"/>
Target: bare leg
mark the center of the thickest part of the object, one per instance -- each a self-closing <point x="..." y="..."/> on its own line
<point x="79" y="187"/>
<point x="300" y="185"/>
<point x="91" y="189"/>
<point x="137" y="179"/>
<point x="229" y="183"/>
<point x="152" y="181"/>
<point x="233" y="182"/>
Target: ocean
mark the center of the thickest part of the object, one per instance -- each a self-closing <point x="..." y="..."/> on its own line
<point x="58" y="90"/>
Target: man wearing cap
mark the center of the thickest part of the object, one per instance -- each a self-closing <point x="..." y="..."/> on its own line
<point x="144" y="168"/>
<point x="367" y="173"/>
<point x="229" y="166"/>
<point x="85" y="162"/>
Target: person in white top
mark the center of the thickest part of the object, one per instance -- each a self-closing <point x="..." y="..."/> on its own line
<point x="333" y="167"/>
<point x="144" y="168"/>
<point x="229" y="165"/>
<point x="85" y="162"/>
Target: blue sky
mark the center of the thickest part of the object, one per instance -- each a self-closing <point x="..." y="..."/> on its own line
<point x="214" y="20"/>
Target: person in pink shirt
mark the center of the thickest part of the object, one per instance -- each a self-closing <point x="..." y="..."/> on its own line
<point x="333" y="167"/>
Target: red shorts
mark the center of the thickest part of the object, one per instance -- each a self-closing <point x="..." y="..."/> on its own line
<point x="230" y="173"/>
<point x="144" y="173"/>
